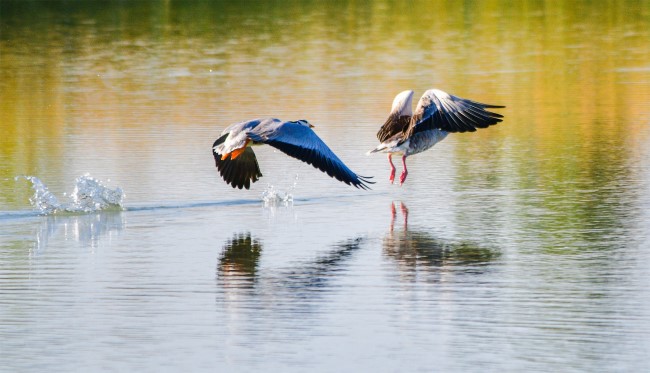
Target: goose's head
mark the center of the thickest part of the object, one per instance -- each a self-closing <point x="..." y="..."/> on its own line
<point x="304" y="122"/>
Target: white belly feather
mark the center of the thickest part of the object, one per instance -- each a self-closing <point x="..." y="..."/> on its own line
<point x="422" y="141"/>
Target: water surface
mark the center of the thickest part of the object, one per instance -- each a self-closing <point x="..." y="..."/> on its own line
<point x="522" y="247"/>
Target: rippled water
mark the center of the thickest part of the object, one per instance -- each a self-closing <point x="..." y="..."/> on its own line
<point x="522" y="247"/>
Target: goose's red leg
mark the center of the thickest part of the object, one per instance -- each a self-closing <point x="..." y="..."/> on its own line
<point x="391" y="178"/>
<point x="404" y="172"/>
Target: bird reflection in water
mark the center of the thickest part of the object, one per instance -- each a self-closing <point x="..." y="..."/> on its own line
<point x="415" y="250"/>
<point x="238" y="263"/>
<point x="296" y="287"/>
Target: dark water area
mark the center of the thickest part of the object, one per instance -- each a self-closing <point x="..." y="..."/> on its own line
<point x="521" y="247"/>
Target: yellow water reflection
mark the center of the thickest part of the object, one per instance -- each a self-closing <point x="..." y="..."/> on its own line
<point x="103" y="81"/>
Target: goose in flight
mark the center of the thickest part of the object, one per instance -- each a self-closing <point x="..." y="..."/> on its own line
<point x="436" y="115"/>
<point x="237" y="163"/>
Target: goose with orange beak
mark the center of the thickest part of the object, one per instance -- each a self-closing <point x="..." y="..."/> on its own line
<point x="237" y="163"/>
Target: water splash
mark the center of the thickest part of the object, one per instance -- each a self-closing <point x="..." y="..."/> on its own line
<point x="42" y="199"/>
<point x="273" y="197"/>
<point x="89" y="195"/>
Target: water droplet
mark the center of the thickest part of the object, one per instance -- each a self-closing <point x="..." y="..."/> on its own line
<point x="89" y="195"/>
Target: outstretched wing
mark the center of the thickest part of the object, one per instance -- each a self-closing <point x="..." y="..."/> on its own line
<point x="394" y="124"/>
<point x="438" y="109"/>
<point x="399" y="117"/>
<point x="239" y="172"/>
<point x="301" y="142"/>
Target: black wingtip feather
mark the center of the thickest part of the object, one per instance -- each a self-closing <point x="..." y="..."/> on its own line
<point x="240" y="172"/>
<point x="458" y="115"/>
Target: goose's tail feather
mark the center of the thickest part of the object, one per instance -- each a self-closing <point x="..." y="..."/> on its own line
<point x="377" y="149"/>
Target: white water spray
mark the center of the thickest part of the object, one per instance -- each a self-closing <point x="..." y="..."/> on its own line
<point x="89" y="195"/>
<point x="273" y="197"/>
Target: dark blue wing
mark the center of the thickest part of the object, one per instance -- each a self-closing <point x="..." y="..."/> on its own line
<point x="301" y="142"/>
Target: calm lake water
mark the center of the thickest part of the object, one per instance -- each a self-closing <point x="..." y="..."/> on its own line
<point x="522" y="247"/>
